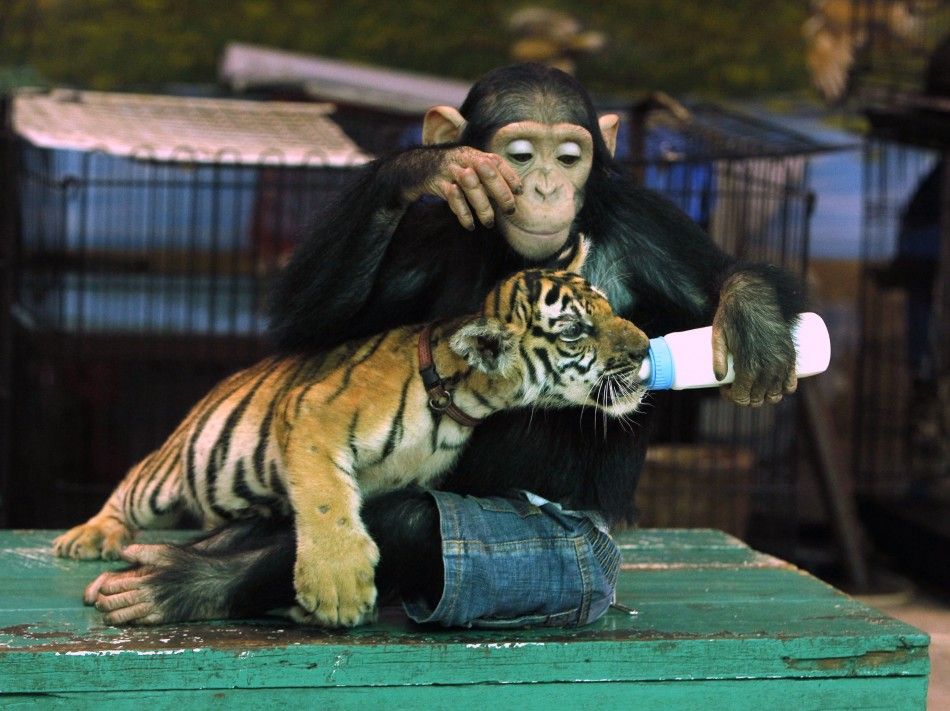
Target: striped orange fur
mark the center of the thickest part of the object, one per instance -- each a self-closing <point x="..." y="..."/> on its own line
<point x="313" y="435"/>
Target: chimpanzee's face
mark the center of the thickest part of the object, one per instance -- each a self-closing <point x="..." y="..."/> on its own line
<point x="553" y="161"/>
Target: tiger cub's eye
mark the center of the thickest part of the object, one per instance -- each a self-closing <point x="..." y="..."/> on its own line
<point x="574" y="331"/>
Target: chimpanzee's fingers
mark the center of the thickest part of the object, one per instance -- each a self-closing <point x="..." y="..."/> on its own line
<point x="495" y="185"/>
<point x="144" y="554"/>
<point x="139" y="613"/>
<point x="471" y="184"/>
<point x="757" y="391"/>
<point x="92" y="589"/>
<point x="123" y="581"/>
<point x="777" y="387"/>
<point x="503" y="194"/>
<point x="509" y="174"/>
<point x="720" y="352"/>
<point x="128" y="598"/>
<point x="773" y="393"/>
<point x="741" y="388"/>
<point x="456" y="200"/>
<point x="791" y="381"/>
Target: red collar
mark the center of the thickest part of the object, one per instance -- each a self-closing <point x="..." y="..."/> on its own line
<point x="440" y="398"/>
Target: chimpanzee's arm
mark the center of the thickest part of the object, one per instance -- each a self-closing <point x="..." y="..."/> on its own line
<point x="333" y="273"/>
<point x="373" y="261"/>
<point x="662" y="271"/>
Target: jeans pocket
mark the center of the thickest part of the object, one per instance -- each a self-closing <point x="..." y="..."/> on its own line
<point x="498" y="504"/>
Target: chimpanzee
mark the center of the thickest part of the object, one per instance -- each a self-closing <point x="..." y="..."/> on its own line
<point x="510" y="179"/>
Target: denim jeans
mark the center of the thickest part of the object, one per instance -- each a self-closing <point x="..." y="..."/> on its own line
<point x="520" y="561"/>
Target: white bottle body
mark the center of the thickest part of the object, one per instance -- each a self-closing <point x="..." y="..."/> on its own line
<point x="684" y="360"/>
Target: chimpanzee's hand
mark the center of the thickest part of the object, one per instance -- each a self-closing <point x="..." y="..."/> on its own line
<point x="750" y="326"/>
<point x="470" y="180"/>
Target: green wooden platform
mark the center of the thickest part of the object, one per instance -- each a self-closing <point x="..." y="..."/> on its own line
<point x="717" y="626"/>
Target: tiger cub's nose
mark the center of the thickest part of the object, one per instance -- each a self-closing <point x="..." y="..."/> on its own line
<point x="637" y="353"/>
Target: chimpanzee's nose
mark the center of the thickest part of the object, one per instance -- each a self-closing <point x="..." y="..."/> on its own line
<point x="545" y="187"/>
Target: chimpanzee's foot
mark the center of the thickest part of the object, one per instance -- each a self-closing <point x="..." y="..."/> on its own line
<point x="167" y="584"/>
<point x="126" y="598"/>
<point x="130" y="597"/>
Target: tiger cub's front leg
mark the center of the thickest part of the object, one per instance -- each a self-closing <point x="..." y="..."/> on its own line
<point x="336" y="558"/>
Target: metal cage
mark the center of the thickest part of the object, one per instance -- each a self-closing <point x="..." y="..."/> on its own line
<point x="138" y="285"/>
<point x="902" y="393"/>
<point x="895" y="363"/>
<point x="745" y="181"/>
<point x="139" y="259"/>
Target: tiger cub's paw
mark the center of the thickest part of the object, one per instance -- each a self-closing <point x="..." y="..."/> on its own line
<point x="99" y="537"/>
<point x="302" y="617"/>
<point x="336" y="589"/>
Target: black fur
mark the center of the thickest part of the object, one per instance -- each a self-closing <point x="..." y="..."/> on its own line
<point x="241" y="569"/>
<point x="375" y="263"/>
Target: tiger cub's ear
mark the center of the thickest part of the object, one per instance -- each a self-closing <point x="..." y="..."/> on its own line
<point x="487" y="344"/>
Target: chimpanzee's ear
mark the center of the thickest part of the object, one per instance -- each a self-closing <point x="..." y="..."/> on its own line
<point x="442" y="124"/>
<point x="609" y="124"/>
<point x="487" y="344"/>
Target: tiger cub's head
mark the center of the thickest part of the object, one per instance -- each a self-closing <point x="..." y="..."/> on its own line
<point x="557" y="338"/>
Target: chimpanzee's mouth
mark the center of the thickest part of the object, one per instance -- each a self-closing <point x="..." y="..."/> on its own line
<point x="544" y="234"/>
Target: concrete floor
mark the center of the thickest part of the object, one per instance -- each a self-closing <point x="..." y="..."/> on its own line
<point x="932" y="616"/>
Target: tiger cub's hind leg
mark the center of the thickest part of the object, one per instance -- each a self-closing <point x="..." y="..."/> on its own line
<point x="148" y="497"/>
<point x="102" y="536"/>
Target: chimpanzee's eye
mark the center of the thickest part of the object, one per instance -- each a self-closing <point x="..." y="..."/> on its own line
<point x="568" y="153"/>
<point x="520" y="151"/>
<point x="574" y="331"/>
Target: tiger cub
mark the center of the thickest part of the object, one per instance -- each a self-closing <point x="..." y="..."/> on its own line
<point x="315" y="434"/>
